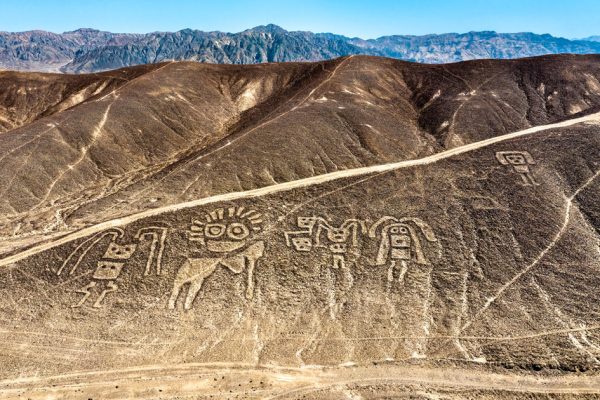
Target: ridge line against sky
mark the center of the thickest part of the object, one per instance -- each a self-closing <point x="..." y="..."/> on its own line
<point x="82" y="28"/>
<point x="353" y="18"/>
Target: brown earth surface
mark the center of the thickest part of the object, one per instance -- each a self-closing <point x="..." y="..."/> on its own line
<point x="181" y="131"/>
<point x="170" y="238"/>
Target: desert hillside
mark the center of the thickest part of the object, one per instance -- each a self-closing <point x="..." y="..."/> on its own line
<point x="355" y="228"/>
<point x="151" y="136"/>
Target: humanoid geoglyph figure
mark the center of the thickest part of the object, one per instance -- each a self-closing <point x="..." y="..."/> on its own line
<point x="400" y="243"/>
<point x="401" y="247"/>
<point x="317" y="232"/>
<point x="110" y="266"/>
<point x="226" y="237"/>
<point x="521" y="162"/>
<point x="339" y="242"/>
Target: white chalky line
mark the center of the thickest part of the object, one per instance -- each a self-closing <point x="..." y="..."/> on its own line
<point x="83" y="154"/>
<point x="300" y="183"/>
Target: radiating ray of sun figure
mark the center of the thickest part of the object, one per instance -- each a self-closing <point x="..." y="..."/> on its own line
<point x="233" y="223"/>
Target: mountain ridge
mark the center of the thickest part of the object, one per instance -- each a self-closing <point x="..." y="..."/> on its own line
<point x="92" y="50"/>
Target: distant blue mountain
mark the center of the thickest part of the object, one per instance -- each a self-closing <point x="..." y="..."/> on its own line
<point x="593" y="39"/>
<point x="89" y="50"/>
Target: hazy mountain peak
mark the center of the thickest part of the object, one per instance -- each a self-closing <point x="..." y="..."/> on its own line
<point x="269" y="28"/>
<point x="84" y="30"/>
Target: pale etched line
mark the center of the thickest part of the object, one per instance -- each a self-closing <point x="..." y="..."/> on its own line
<point x="577" y="344"/>
<point x="322" y="83"/>
<point x="300" y="183"/>
<point x="234" y="325"/>
<point x="144" y="368"/>
<point x="565" y="322"/>
<point x="79" y="339"/>
<point x="528" y="268"/>
<point x="113" y="93"/>
<point x="464" y="308"/>
<point x="227" y="143"/>
<point x="84" y="152"/>
<point x="16" y="175"/>
<point x="33" y="139"/>
<point x="54" y="125"/>
<point x="128" y="82"/>
<point x="296" y="383"/>
<point x="309" y="339"/>
<point x="587" y="341"/>
<point x="75" y="202"/>
<point x="547" y="301"/>
<point x="463" y="80"/>
<point x="451" y="130"/>
<point x="426" y="316"/>
<point x="317" y="373"/>
<point x="534" y="387"/>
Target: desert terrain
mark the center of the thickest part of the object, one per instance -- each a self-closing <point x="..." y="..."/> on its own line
<point x="351" y="229"/>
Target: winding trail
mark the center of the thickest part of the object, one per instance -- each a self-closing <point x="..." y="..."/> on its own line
<point x="271" y="382"/>
<point x="293" y="185"/>
<point x="84" y="151"/>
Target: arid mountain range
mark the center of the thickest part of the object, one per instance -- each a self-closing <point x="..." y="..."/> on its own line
<point x="88" y="50"/>
<point x="361" y="227"/>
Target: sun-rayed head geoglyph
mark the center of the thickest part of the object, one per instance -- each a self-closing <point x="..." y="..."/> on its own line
<point x="226" y="236"/>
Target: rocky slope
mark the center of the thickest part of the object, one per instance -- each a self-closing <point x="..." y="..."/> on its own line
<point x="482" y="259"/>
<point x="88" y="50"/>
<point x="175" y="132"/>
<point x="26" y="97"/>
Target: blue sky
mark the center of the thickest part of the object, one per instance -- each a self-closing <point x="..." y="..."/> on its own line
<point x="366" y="19"/>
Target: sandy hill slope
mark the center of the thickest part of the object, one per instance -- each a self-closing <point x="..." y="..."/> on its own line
<point x="26" y="97"/>
<point x="180" y="131"/>
<point x="357" y="228"/>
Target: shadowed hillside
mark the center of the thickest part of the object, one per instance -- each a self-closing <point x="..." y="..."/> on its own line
<point x="480" y="263"/>
<point x="26" y="97"/>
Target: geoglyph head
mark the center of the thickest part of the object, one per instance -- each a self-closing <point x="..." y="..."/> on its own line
<point x="224" y="230"/>
<point x="400" y="239"/>
<point x="514" y="158"/>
